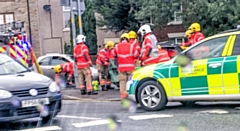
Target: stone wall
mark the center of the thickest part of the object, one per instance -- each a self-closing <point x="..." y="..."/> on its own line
<point x="19" y="8"/>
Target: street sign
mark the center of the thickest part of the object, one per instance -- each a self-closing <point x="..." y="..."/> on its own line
<point x="64" y="2"/>
<point x="82" y="6"/>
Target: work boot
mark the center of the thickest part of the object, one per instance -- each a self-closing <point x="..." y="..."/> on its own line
<point x="104" y="88"/>
<point x="83" y="92"/>
<point x="92" y="93"/>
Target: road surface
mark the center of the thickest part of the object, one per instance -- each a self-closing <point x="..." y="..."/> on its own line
<point x="92" y="116"/>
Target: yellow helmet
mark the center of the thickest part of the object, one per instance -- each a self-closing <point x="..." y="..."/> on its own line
<point x="132" y="34"/>
<point x="109" y="44"/>
<point x="125" y="35"/>
<point x="57" y="69"/>
<point x="159" y="47"/>
<point x="188" y="33"/>
<point x="195" y="27"/>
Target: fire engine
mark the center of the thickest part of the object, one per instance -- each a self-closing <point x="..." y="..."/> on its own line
<point x="14" y="43"/>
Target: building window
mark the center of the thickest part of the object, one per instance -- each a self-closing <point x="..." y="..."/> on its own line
<point x="66" y="17"/>
<point x="6" y="18"/>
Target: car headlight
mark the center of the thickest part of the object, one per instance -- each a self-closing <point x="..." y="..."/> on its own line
<point x="5" y="94"/>
<point x="54" y="87"/>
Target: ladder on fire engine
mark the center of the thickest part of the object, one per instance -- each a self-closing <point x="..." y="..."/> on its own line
<point x="9" y="35"/>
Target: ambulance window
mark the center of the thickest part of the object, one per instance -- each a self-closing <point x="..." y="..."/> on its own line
<point x="45" y="61"/>
<point x="236" y="47"/>
<point x="56" y="60"/>
<point x="209" y="49"/>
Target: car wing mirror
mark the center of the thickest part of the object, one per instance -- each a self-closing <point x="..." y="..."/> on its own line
<point x="183" y="60"/>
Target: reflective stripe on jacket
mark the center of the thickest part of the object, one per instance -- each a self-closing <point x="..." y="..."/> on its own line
<point x="81" y="54"/>
<point x="163" y="55"/>
<point x="103" y="57"/>
<point x="149" y="44"/>
<point x="125" y="53"/>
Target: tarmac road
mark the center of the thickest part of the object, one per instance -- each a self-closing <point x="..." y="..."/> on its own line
<point x="77" y="115"/>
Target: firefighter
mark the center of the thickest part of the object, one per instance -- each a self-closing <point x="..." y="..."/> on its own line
<point x="125" y="54"/>
<point x="197" y="35"/>
<point x="82" y="58"/>
<point x="65" y="68"/>
<point x="133" y="40"/>
<point x="149" y="53"/>
<point x="163" y="55"/>
<point x="102" y="62"/>
<point x="188" y="35"/>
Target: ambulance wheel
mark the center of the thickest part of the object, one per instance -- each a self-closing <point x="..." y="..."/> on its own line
<point x="151" y="96"/>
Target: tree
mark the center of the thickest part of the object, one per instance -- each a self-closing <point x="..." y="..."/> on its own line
<point x="157" y="12"/>
<point x="117" y="15"/>
<point x="213" y="15"/>
<point x="88" y="26"/>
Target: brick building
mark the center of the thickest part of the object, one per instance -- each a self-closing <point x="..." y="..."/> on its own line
<point x="46" y="25"/>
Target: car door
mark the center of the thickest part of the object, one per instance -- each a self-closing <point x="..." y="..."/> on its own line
<point x="56" y="60"/>
<point x="204" y="77"/>
<point x="45" y="65"/>
<point x="231" y="67"/>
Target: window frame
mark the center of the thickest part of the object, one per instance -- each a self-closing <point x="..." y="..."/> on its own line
<point x="4" y="16"/>
<point x="58" y="57"/>
<point x="50" y="58"/>
<point x="197" y="46"/>
<point x="233" y="46"/>
<point x="65" y="11"/>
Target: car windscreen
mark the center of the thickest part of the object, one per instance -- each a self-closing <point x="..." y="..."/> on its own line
<point x="10" y="66"/>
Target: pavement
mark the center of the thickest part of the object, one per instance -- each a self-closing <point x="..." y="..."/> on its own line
<point x="71" y="93"/>
<point x="90" y="116"/>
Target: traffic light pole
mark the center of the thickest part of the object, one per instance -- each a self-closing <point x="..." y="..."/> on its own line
<point x="79" y="17"/>
<point x="74" y="43"/>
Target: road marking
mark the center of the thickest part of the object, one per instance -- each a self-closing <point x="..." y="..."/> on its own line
<point x="217" y="111"/>
<point x="143" y="117"/>
<point x="91" y="123"/>
<point x="79" y="117"/>
<point x="49" y="128"/>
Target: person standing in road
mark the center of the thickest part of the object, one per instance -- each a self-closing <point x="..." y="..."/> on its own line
<point x="102" y="62"/>
<point x="81" y="55"/>
<point x="126" y="55"/>
<point x="188" y="35"/>
<point x="197" y="35"/>
<point x="149" y="53"/>
<point x="133" y="40"/>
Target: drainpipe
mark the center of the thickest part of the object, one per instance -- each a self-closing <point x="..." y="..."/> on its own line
<point x="29" y="22"/>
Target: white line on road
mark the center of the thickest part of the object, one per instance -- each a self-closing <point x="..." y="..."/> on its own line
<point x="49" y="128"/>
<point x="78" y="117"/>
<point x="217" y="111"/>
<point x="90" y="123"/>
<point x="144" y="117"/>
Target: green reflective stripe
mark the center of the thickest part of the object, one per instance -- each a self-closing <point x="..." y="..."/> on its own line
<point x="174" y="71"/>
<point x="161" y="71"/>
<point x="216" y="70"/>
<point x="194" y="85"/>
<point x="230" y="65"/>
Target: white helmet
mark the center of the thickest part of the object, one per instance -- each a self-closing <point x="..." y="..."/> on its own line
<point x="81" y="38"/>
<point x="144" y="29"/>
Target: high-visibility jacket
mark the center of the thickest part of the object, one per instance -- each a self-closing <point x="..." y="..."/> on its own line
<point x="124" y="51"/>
<point x="171" y="53"/>
<point x="82" y="57"/>
<point x="103" y="57"/>
<point x="136" y="46"/>
<point x="195" y="37"/>
<point x="200" y="52"/>
<point x="163" y="55"/>
<point x="67" y="67"/>
<point x="149" y="52"/>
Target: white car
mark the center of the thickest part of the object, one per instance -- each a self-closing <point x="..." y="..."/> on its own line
<point x="48" y="61"/>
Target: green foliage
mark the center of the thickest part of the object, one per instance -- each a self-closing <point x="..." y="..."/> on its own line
<point x="213" y="15"/>
<point x="88" y="26"/>
<point x="115" y="15"/>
